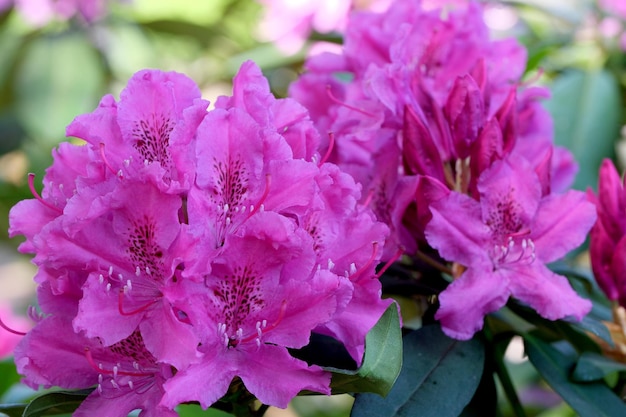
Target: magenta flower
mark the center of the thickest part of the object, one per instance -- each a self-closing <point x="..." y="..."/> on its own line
<point x="181" y="249"/>
<point x="503" y="240"/>
<point x="126" y="375"/>
<point x="608" y="236"/>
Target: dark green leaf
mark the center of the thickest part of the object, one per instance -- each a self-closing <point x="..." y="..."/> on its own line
<point x="382" y="360"/>
<point x="586" y="107"/>
<point x="592" y="367"/>
<point x="439" y="377"/>
<point x="9" y="376"/>
<point x="55" y="403"/>
<point x="12" y="410"/>
<point x="589" y="400"/>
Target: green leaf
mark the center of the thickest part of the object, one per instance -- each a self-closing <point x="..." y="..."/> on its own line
<point x="382" y="360"/>
<point x="12" y="410"/>
<point x="592" y="367"/>
<point x="593" y="399"/>
<point x="439" y="378"/>
<point x="58" y="78"/>
<point x="9" y="376"/>
<point x="586" y="107"/>
<point x="55" y="403"/>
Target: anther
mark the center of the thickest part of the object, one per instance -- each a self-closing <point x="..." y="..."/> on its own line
<point x="108" y="287"/>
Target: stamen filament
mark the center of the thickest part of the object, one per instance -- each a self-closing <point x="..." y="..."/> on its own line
<point x="367" y="264"/>
<point x="106" y="162"/>
<point x="10" y="330"/>
<point x="101" y="370"/>
<point x="120" y="307"/>
<point x="331" y="145"/>
<point x="31" y="186"/>
<point x="335" y="100"/>
<point x="390" y="262"/>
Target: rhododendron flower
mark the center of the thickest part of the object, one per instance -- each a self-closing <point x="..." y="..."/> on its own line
<point x="180" y="249"/>
<point x="503" y="241"/>
<point x="290" y="22"/>
<point x="41" y="12"/>
<point x="608" y="237"/>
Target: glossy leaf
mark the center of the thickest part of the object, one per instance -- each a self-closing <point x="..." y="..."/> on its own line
<point x="586" y="107"/>
<point x="12" y="410"/>
<point x="439" y="378"/>
<point x="382" y="361"/>
<point x="592" y="367"/>
<point x="593" y="399"/>
<point x="55" y="403"/>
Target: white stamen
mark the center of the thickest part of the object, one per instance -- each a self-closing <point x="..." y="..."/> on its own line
<point x="227" y="221"/>
<point x="264" y="324"/>
<point x="130" y="384"/>
<point x="129" y="285"/>
<point x="100" y="279"/>
<point x="136" y="365"/>
<point x="115" y="385"/>
<point x="331" y="265"/>
<point x="147" y="270"/>
<point x="109" y="287"/>
<point x="99" y="378"/>
<point x="115" y="369"/>
<point x="352" y="268"/>
<point x="243" y="209"/>
<point x="524" y="244"/>
<point x="145" y="162"/>
<point x="100" y="366"/>
<point x="99" y="389"/>
<point x="240" y="333"/>
<point x="126" y="162"/>
<point x="226" y="207"/>
<point x="262" y="208"/>
<point x="137" y="271"/>
<point x="110" y="270"/>
<point x="61" y="187"/>
<point x="258" y="342"/>
<point x="251" y="207"/>
<point x="120" y="173"/>
<point x="121" y="277"/>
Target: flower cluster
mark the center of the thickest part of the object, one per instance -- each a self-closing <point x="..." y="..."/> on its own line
<point x="182" y="249"/>
<point x="453" y="152"/>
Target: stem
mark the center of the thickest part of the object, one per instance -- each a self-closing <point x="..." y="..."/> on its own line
<point x="503" y="374"/>
<point x="430" y="261"/>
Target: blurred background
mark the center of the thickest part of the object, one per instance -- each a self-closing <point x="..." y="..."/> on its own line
<point x="59" y="57"/>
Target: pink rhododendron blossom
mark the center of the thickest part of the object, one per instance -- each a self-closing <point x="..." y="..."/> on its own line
<point x="179" y="250"/>
<point x="290" y="22"/>
<point x="503" y="240"/>
<point x="41" y="12"/>
<point x="608" y="236"/>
